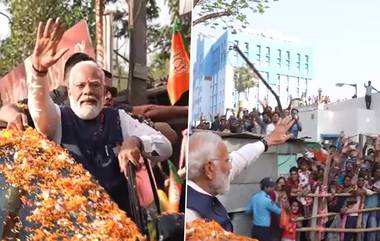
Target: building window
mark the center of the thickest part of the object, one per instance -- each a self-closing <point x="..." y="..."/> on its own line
<point x="246" y="48"/>
<point x="307" y="63"/>
<point x="267" y="56"/>
<point x="223" y="52"/>
<point x="298" y="86"/>
<point x="298" y="62"/>
<point x="258" y="54"/>
<point x="288" y="59"/>
<point x="236" y="43"/>
<point x="279" y="58"/>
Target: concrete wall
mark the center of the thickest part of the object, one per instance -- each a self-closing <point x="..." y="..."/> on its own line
<point x="247" y="183"/>
<point x="309" y="121"/>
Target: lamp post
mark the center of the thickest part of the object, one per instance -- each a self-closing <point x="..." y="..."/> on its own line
<point x="353" y="85"/>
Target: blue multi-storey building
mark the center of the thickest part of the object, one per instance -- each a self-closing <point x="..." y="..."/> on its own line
<point x="286" y="66"/>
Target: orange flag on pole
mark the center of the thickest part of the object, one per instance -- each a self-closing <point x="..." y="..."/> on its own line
<point x="179" y="71"/>
<point x="174" y="193"/>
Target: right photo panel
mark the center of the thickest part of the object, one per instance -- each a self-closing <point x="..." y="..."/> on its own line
<point x="284" y="121"/>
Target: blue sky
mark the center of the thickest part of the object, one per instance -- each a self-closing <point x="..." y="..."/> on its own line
<point x="344" y="35"/>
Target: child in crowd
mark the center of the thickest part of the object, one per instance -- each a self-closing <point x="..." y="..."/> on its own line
<point x="289" y="231"/>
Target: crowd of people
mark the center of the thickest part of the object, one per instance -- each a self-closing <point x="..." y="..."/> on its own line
<point x="256" y="122"/>
<point x="353" y="180"/>
<point x="350" y="183"/>
<point x="211" y="169"/>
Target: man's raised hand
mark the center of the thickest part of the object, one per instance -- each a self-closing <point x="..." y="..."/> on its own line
<point x="45" y="52"/>
<point x="280" y="134"/>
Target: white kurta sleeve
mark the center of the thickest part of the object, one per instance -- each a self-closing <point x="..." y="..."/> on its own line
<point x="244" y="157"/>
<point x="44" y="112"/>
<point x="156" y="146"/>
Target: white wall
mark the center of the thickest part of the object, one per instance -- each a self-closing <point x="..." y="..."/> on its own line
<point x="352" y="122"/>
<point x="309" y="121"/>
<point x="349" y="116"/>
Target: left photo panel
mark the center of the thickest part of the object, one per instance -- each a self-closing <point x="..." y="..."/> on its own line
<point x="93" y="119"/>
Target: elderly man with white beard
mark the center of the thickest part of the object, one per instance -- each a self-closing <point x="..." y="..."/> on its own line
<point x="211" y="169"/>
<point x="103" y="140"/>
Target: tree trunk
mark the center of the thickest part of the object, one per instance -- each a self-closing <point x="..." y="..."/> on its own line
<point x="138" y="72"/>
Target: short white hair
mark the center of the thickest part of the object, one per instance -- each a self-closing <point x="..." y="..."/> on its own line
<point x="202" y="146"/>
<point x="88" y="63"/>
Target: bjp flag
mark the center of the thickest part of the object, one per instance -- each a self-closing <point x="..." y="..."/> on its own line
<point x="320" y="155"/>
<point x="174" y="192"/>
<point x="179" y="70"/>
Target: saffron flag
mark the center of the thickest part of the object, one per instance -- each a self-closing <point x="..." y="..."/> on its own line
<point x="174" y="193"/>
<point x="179" y="70"/>
<point x="316" y="149"/>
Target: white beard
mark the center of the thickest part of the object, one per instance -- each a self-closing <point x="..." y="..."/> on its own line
<point x="85" y="112"/>
<point x="221" y="183"/>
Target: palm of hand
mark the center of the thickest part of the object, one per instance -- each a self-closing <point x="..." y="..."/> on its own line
<point x="279" y="134"/>
<point x="45" y="53"/>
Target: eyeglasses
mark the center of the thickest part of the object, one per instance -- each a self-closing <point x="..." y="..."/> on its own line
<point x="218" y="159"/>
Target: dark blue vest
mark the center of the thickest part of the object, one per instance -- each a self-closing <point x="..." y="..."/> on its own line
<point x="92" y="143"/>
<point x="209" y="208"/>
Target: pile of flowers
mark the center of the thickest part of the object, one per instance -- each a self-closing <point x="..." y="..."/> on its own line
<point x="66" y="202"/>
<point x="201" y="230"/>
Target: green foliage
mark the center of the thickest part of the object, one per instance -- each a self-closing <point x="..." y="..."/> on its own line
<point x="161" y="40"/>
<point x="25" y="16"/>
<point x="244" y="79"/>
<point x="210" y="10"/>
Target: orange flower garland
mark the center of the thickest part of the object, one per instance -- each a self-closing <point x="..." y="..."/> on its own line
<point x="67" y="202"/>
<point x="201" y="230"/>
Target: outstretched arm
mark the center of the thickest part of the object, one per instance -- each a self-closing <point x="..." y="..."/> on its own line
<point x="249" y="153"/>
<point x="44" y="112"/>
<point x="161" y="112"/>
<point x="14" y="117"/>
<point x="155" y="145"/>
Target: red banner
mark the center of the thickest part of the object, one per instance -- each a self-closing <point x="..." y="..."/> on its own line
<point x="13" y="85"/>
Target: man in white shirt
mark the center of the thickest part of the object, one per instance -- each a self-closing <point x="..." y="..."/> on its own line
<point x="211" y="169"/>
<point x="368" y="93"/>
<point x="103" y="140"/>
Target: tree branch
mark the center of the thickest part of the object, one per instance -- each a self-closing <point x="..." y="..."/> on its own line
<point x="211" y="16"/>
<point x="195" y="2"/>
<point x="121" y="56"/>
<point x="9" y="19"/>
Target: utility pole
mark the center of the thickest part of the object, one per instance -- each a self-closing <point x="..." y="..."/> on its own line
<point x="257" y="73"/>
<point x="138" y="71"/>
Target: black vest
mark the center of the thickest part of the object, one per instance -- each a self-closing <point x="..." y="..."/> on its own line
<point x="209" y="208"/>
<point x="92" y="143"/>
